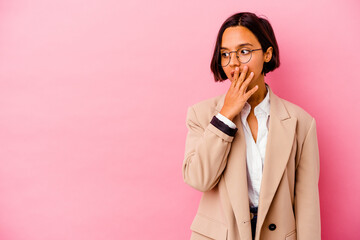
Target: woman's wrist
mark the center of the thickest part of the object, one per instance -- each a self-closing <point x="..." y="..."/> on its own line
<point x="227" y="114"/>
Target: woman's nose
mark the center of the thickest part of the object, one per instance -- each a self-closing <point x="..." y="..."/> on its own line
<point x="234" y="61"/>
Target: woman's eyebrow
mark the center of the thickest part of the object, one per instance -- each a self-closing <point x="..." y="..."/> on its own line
<point x="240" y="45"/>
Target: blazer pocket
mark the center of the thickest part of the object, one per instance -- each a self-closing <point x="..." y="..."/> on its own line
<point x="209" y="228"/>
<point x="291" y="235"/>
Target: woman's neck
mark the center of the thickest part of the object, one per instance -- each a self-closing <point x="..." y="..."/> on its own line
<point x="258" y="96"/>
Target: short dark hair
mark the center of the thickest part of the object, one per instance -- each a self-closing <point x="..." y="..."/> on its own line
<point x="263" y="31"/>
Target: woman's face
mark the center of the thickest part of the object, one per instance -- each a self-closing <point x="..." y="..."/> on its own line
<point x="232" y="38"/>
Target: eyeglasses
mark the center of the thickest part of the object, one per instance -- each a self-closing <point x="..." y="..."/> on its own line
<point x="242" y="54"/>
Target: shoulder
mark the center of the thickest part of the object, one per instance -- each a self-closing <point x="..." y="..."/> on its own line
<point x="285" y="109"/>
<point x="209" y="103"/>
<point x="204" y="110"/>
<point x="305" y="121"/>
<point x="297" y="111"/>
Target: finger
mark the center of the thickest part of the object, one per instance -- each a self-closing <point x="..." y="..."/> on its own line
<point x="247" y="82"/>
<point x="233" y="82"/>
<point x="248" y="94"/>
<point x="236" y="76"/>
<point x="244" y="72"/>
<point x="243" y="75"/>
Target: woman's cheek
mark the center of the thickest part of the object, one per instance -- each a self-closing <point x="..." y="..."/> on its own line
<point x="256" y="73"/>
<point x="249" y="72"/>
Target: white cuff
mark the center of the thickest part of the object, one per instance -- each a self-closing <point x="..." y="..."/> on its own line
<point x="226" y="120"/>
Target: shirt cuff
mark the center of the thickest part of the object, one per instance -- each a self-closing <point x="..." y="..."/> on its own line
<point x="223" y="127"/>
<point x="226" y="120"/>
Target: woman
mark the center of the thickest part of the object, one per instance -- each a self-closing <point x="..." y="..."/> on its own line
<point x="252" y="154"/>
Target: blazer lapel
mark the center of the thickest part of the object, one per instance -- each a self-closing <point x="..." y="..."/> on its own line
<point x="278" y="148"/>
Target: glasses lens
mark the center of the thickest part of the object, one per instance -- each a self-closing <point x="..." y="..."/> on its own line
<point x="225" y="58"/>
<point x="244" y="55"/>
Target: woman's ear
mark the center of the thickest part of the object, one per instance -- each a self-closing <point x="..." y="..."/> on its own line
<point x="268" y="54"/>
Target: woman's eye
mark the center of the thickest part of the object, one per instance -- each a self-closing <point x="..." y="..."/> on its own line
<point x="245" y="51"/>
<point x="225" y="54"/>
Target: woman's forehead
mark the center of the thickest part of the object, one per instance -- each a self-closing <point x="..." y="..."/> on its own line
<point x="234" y="37"/>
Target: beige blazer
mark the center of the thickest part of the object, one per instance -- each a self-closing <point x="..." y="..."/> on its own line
<point x="215" y="163"/>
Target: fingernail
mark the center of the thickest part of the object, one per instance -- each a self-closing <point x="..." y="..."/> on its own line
<point x="236" y="69"/>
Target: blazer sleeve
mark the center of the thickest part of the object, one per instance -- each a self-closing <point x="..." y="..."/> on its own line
<point x="206" y="151"/>
<point x="307" y="206"/>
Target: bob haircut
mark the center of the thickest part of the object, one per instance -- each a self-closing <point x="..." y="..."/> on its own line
<point x="263" y="31"/>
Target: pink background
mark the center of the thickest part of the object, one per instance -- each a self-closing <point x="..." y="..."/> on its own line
<point x="94" y="96"/>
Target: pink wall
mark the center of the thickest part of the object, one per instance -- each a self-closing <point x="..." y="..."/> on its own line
<point x="94" y="96"/>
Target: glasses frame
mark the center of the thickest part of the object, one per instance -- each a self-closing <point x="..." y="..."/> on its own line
<point x="250" y="50"/>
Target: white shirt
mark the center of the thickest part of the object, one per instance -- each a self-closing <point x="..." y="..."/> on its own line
<point x="255" y="152"/>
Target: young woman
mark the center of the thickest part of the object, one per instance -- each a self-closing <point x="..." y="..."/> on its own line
<point x="253" y="154"/>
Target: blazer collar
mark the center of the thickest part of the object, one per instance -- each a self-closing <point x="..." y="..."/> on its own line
<point x="280" y="140"/>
